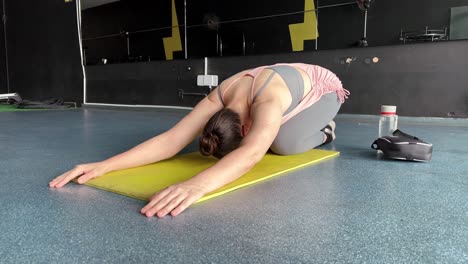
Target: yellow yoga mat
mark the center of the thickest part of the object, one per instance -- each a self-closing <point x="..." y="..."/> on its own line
<point x="143" y="182"/>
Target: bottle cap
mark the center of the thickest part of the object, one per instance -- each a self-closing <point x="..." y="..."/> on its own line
<point x="388" y="110"/>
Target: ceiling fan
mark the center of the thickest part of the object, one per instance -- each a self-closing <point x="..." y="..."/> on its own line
<point x="363" y="4"/>
<point x="211" y="21"/>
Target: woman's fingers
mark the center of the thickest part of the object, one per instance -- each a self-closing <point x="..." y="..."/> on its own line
<point x="54" y="182"/>
<point x="161" y="202"/>
<point x="184" y="205"/>
<point x="173" y="200"/>
<point x="85" y="173"/>
<point x="154" y="200"/>
<point x="87" y="176"/>
<point x="65" y="178"/>
<point x="170" y="206"/>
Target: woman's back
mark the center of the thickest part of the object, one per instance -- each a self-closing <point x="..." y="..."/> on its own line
<point x="290" y="86"/>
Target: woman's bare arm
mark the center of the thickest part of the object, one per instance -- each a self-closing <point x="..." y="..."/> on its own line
<point x="155" y="149"/>
<point x="170" y="142"/>
<point x="176" y="198"/>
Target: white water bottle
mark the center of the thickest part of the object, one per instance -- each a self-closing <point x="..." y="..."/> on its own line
<point x="388" y="120"/>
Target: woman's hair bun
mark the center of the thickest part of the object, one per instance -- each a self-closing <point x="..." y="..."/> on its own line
<point x="209" y="143"/>
<point x="221" y="135"/>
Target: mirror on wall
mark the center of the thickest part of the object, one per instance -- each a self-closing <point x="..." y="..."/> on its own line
<point x="145" y="30"/>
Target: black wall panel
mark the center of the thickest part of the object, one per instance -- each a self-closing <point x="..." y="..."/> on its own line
<point x="3" y="68"/>
<point x="421" y="79"/>
<point x="43" y="50"/>
<point x="146" y="83"/>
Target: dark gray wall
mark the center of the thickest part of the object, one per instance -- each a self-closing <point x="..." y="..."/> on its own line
<point x="3" y="69"/>
<point x="43" y="50"/>
<point x="339" y="26"/>
<point x="144" y="83"/>
<point x="427" y="79"/>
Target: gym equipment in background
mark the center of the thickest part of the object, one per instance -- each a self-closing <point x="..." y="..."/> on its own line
<point x="423" y="35"/>
<point x="10" y="98"/>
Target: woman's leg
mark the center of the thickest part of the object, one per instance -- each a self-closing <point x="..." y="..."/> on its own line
<point x="302" y="132"/>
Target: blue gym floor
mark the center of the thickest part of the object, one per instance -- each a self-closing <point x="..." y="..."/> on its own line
<point x="357" y="208"/>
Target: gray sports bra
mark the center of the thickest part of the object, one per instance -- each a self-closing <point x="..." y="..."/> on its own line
<point x="293" y="79"/>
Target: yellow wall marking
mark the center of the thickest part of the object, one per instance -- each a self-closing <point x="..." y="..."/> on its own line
<point x="173" y="43"/>
<point x="304" y="31"/>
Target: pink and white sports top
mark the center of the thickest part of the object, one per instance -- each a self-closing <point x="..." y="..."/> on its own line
<point x="322" y="80"/>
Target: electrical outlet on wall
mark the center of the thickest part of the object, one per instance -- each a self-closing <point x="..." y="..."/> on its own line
<point x="207" y="80"/>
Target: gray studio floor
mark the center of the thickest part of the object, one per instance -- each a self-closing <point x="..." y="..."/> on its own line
<point x="356" y="208"/>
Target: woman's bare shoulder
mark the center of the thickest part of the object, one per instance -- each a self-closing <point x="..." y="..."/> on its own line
<point x="234" y="77"/>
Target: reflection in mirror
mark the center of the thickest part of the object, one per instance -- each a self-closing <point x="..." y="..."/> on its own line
<point x="459" y="22"/>
<point x="145" y="30"/>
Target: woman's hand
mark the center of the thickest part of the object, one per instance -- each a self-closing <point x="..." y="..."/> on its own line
<point x="85" y="172"/>
<point x="173" y="200"/>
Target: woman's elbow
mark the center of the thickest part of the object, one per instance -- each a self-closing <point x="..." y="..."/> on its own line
<point x="253" y="156"/>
